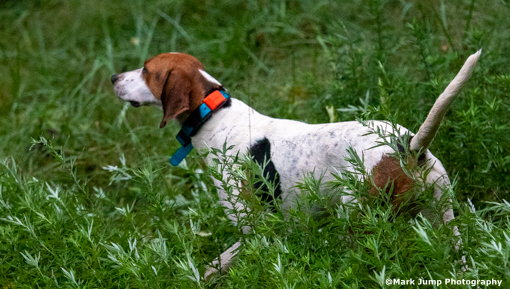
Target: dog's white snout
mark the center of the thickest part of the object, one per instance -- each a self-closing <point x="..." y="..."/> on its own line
<point x="131" y="87"/>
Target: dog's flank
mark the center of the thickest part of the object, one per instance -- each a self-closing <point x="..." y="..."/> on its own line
<point x="429" y="128"/>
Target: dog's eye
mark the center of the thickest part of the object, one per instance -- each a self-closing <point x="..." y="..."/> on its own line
<point x="144" y="70"/>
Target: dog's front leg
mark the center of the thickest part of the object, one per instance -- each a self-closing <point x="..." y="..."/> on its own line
<point x="235" y="210"/>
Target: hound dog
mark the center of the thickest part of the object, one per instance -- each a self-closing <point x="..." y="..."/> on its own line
<point x="209" y="117"/>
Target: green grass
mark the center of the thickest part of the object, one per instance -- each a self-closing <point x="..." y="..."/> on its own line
<point x="94" y="203"/>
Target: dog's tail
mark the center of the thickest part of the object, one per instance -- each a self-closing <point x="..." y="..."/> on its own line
<point x="428" y="130"/>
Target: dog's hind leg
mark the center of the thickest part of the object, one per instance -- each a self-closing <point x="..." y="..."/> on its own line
<point x="442" y="185"/>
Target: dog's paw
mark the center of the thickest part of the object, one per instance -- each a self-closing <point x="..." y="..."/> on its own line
<point x="209" y="273"/>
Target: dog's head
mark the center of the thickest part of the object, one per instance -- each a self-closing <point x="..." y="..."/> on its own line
<point x="175" y="82"/>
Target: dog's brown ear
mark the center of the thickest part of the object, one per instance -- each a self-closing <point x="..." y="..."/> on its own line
<point x="175" y="96"/>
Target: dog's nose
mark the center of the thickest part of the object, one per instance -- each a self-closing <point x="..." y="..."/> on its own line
<point x="115" y="77"/>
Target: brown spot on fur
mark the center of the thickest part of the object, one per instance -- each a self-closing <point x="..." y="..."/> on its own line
<point x="387" y="174"/>
<point x="175" y="79"/>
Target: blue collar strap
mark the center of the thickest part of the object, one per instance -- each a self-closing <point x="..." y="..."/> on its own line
<point x="213" y="102"/>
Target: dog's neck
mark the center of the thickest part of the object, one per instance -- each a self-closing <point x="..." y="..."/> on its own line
<point x="192" y="124"/>
<point x="237" y="117"/>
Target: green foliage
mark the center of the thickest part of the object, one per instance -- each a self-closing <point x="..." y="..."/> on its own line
<point x="93" y="202"/>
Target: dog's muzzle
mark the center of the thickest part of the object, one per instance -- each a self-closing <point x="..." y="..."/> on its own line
<point x="134" y="103"/>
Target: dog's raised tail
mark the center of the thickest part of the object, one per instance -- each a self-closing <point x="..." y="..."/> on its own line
<point x="428" y="129"/>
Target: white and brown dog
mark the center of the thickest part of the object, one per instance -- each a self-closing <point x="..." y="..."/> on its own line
<point x="177" y="83"/>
